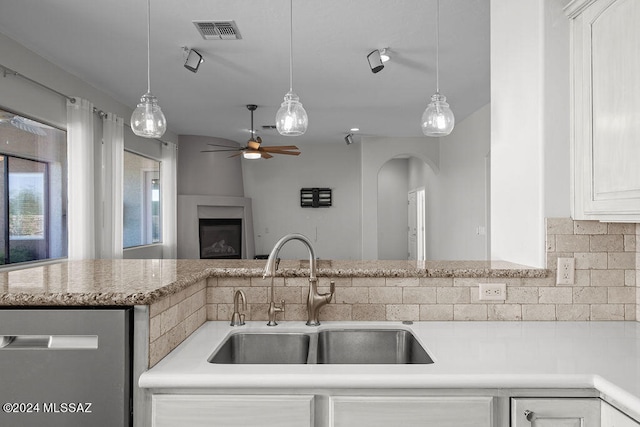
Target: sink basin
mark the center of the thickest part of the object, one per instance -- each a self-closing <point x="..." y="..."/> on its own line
<point x="367" y="346"/>
<point x="263" y="348"/>
<point x="332" y="346"/>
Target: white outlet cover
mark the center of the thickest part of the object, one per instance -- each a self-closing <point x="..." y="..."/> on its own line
<point x="492" y="291"/>
<point x="566" y="271"/>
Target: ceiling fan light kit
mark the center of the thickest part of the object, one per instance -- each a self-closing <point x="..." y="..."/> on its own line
<point x="254" y="149"/>
<point x="147" y="119"/>
<point x="437" y="119"/>
<point x="251" y="155"/>
<point x="291" y="118"/>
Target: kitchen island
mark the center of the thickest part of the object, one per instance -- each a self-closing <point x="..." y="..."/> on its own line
<point x="182" y="313"/>
<point x="478" y="359"/>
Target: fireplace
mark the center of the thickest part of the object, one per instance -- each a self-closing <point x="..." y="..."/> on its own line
<point x="220" y="238"/>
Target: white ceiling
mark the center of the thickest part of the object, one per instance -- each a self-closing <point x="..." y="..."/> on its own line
<point x="104" y="43"/>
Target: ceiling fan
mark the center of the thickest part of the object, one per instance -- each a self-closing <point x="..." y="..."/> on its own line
<point x="22" y="123"/>
<point x="254" y="148"/>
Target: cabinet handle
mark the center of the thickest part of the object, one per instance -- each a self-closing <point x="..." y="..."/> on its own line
<point x="528" y="415"/>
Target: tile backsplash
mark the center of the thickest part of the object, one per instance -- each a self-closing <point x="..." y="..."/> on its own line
<point x="604" y="287"/>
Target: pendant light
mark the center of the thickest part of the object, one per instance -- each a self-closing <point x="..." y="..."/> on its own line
<point x="147" y="119"/>
<point x="437" y="119"/>
<point x="291" y="118"/>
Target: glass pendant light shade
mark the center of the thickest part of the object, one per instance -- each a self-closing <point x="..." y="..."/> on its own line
<point x="291" y="118"/>
<point x="437" y="119"/>
<point x="147" y="119"/>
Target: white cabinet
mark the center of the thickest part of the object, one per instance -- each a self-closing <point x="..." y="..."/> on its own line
<point x="605" y="101"/>
<point x="611" y="417"/>
<point x="410" y="411"/>
<point x="232" y="410"/>
<point x="555" y="412"/>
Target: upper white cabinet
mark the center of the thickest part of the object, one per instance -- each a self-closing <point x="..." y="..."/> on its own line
<point x="605" y="109"/>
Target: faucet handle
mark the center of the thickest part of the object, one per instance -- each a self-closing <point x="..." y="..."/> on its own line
<point x="281" y="308"/>
<point x="332" y="287"/>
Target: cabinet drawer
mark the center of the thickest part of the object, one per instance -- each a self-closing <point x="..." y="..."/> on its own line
<point x="230" y="411"/>
<point x="555" y="412"/>
<point x="409" y="411"/>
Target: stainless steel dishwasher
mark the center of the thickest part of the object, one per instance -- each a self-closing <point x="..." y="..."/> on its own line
<point x="65" y="367"/>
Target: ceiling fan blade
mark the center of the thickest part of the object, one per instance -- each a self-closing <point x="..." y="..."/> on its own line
<point x="266" y="155"/>
<point x="220" y="145"/>
<point x="288" y="153"/>
<point x="280" y="147"/>
<point x="220" y="151"/>
<point x="234" y="155"/>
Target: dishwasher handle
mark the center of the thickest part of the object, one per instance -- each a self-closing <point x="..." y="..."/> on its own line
<point x="48" y="342"/>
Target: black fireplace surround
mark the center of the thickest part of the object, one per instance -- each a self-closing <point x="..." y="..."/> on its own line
<point x="220" y="238"/>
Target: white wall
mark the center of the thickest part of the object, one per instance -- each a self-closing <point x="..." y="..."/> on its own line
<point x="529" y="125"/>
<point x="393" y="186"/>
<point x="462" y="181"/>
<point x="375" y="153"/>
<point x="453" y="171"/>
<point x="274" y="187"/>
<point x="211" y="174"/>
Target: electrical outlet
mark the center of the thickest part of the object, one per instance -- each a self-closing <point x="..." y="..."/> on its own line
<point x="493" y="291"/>
<point x="566" y="271"/>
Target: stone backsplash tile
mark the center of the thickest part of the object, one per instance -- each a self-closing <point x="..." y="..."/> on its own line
<point x="605" y="288"/>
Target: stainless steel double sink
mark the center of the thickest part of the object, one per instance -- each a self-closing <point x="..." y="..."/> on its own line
<point x="331" y="346"/>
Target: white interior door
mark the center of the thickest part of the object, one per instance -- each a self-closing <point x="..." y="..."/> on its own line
<point x="421" y="225"/>
<point x="412" y="227"/>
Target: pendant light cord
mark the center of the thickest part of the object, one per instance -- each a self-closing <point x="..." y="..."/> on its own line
<point x="290" y="45"/>
<point x="148" y="46"/>
<point x="438" y="46"/>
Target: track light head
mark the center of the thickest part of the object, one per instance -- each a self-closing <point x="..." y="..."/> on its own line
<point x="375" y="62"/>
<point x="194" y="59"/>
<point x="349" y="139"/>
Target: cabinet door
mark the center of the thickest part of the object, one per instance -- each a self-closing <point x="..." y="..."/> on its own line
<point x="231" y="411"/>
<point x="605" y="103"/>
<point x="409" y="411"/>
<point x="556" y="412"/>
<point x="611" y="417"/>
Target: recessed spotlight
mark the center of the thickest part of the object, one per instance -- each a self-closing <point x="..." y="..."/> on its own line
<point x="384" y="54"/>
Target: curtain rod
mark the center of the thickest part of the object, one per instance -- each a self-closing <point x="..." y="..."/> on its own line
<point x="6" y="71"/>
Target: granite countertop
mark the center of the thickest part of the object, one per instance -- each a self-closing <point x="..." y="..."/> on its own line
<point x="140" y="282"/>
<point x="483" y="355"/>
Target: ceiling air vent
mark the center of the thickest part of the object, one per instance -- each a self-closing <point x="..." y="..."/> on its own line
<point x="218" y="30"/>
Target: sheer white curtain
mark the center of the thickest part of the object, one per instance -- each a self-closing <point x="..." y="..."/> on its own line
<point x="169" y="197"/>
<point x="81" y="209"/>
<point x="112" y="186"/>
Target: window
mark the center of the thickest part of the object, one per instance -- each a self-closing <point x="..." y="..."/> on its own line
<point x="33" y="188"/>
<point x="142" y="214"/>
